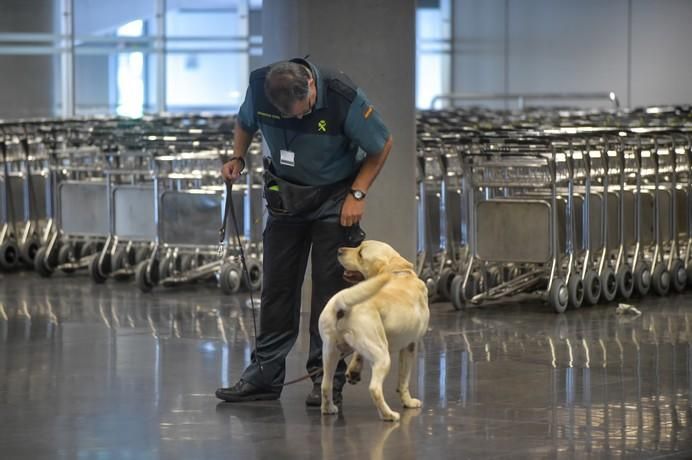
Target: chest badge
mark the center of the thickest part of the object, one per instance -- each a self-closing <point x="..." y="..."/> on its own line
<point x="322" y="126"/>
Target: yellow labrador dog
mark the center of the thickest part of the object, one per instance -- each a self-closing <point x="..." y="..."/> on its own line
<point x="386" y="312"/>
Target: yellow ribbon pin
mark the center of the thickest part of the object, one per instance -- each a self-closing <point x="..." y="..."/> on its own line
<point x="322" y="126"/>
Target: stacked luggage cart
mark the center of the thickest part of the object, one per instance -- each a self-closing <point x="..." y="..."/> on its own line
<point x="578" y="207"/>
<point x="127" y="199"/>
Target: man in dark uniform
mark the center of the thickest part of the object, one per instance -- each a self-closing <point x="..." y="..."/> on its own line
<point x="327" y="144"/>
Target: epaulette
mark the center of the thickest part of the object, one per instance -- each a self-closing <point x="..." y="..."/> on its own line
<point x="259" y="73"/>
<point x="343" y="89"/>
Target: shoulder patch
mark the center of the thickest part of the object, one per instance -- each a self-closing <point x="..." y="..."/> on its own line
<point x="343" y="89"/>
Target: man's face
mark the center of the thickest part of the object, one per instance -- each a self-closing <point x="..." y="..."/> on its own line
<point x="303" y="107"/>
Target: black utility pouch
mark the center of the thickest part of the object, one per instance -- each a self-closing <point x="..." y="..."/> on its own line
<point x="287" y="198"/>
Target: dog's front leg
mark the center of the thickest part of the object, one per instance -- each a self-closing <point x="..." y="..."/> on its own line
<point x="406" y="356"/>
<point x="330" y="359"/>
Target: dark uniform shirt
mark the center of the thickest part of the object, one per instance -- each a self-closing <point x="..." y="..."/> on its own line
<point x="325" y="146"/>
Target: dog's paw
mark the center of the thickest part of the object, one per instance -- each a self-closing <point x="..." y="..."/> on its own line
<point x="352" y="377"/>
<point x="412" y="403"/>
<point x="390" y="417"/>
<point x="329" y="409"/>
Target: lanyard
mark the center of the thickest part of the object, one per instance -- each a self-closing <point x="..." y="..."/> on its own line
<point x="286" y="141"/>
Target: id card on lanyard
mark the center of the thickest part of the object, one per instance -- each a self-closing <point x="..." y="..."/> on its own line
<point x="288" y="158"/>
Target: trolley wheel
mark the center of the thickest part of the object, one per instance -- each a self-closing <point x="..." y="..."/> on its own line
<point x="254" y="269"/>
<point x="625" y="280"/>
<point x="678" y="276"/>
<point x="142" y="278"/>
<point x="95" y="269"/>
<point x="122" y="259"/>
<point x="494" y="277"/>
<point x="186" y="262"/>
<point x="166" y="267"/>
<point x="514" y="271"/>
<point x="141" y="254"/>
<point x="9" y="255"/>
<point x="444" y="284"/>
<point x="28" y="251"/>
<point x="190" y="262"/>
<point x="66" y="254"/>
<point x="478" y="284"/>
<point x="41" y="263"/>
<point x="609" y="285"/>
<point x="575" y="291"/>
<point x="89" y="248"/>
<point x="229" y="279"/>
<point x="431" y="284"/>
<point x="456" y="295"/>
<point x="118" y="260"/>
<point x="660" y="280"/>
<point x="558" y="297"/>
<point x="642" y="279"/>
<point x="592" y="288"/>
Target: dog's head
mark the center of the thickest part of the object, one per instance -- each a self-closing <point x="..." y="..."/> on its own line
<point x="372" y="257"/>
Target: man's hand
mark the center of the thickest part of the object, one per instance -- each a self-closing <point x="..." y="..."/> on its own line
<point x="231" y="169"/>
<point x="352" y="211"/>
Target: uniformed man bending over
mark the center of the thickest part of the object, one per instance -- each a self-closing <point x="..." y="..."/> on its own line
<point x="327" y="145"/>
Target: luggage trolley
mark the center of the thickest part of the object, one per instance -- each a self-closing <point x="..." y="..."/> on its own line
<point x="514" y="228"/>
<point x="130" y="198"/>
<point x="188" y="206"/>
<point x="11" y="202"/>
<point x="26" y="195"/>
<point x="80" y="196"/>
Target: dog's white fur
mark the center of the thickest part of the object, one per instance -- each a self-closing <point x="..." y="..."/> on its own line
<point x="388" y="312"/>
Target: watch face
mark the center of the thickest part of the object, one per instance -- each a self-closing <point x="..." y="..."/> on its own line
<point x="358" y="195"/>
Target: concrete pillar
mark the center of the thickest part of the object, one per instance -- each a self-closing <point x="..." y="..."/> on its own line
<point x="373" y="41"/>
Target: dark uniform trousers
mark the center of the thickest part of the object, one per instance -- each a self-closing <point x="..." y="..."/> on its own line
<point x="287" y="243"/>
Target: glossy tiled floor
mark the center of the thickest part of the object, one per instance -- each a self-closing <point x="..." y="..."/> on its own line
<point x="104" y="372"/>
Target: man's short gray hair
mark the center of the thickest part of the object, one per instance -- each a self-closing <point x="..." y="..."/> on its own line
<point x="286" y="83"/>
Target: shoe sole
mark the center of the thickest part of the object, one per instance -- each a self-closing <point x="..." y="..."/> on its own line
<point x="249" y="398"/>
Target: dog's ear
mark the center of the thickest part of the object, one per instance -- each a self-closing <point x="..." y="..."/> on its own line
<point x="377" y="266"/>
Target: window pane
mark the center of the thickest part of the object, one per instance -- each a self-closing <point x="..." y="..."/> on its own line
<point x="115" y="83"/>
<point x="108" y="80"/>
<point x="206" y="18"/>
<point x="433" y="52"/>
<point x="104" y="17"/>
<point x="205" y="81"/>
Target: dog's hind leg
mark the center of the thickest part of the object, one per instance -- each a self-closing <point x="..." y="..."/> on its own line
<point x="355" y="367"/>
<point x="330" y="359"/>
<point x="379" y="357"/>
<point x="406" y="356"/>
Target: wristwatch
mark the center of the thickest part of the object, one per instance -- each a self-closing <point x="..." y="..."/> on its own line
<point x="357" y="194"/>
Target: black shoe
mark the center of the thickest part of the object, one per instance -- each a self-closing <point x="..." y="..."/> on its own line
<point x="246" y="391"/>
<point x="314" y="399"/>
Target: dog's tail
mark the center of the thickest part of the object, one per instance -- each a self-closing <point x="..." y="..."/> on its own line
<point x="360" y="293"/>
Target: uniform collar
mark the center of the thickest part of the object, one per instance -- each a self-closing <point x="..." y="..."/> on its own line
<point x="320" y="86"/>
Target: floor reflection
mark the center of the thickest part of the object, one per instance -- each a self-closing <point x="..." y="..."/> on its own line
<point x="88" y="369"/>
